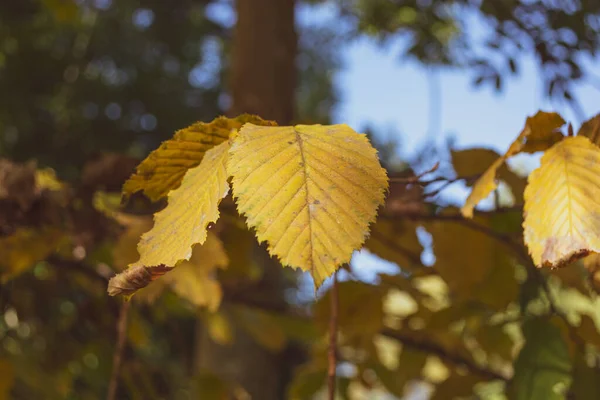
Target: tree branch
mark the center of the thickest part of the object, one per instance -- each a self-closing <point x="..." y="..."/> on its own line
<point x="333" y="328"/>
<point x="119" y="350"/>
<point x="442" y="353"/>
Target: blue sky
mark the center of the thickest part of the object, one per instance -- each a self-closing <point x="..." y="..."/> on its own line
<point x="379" y="88"/>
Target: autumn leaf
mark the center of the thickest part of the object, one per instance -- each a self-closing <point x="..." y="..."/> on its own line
<point x="309" y="191"/>
<point x="191" y="208"/>
<point x="591" y="130"/>
<point x="540" y="132"/>
<point x="164" y="169"/>
<point x="561" y="210"/>
<point x="193" y="279"/>
<point x="470" y="163"/>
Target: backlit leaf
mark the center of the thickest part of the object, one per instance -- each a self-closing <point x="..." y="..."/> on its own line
<point x="193" y="279"/>
<point x="540" y="132"/>
<point x="562" y="212"/>
<point x="473" y="162"/>
<point x="309" y="191"/>
<point x="543" y="367"/>
<point x="164" y="169"/>
<point x="190" y="209"/>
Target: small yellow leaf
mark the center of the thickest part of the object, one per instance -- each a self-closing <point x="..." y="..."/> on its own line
<point x="310" y="191"/>
<point x="190" y="209"/>
<point x="163" y="170"/>
<point x="562" y="212"/>
<point x="194" y="280"/>
<point x="539" y="134"/>
<point x="475" y="161"/>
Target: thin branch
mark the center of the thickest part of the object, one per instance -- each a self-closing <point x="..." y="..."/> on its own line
<point x="119" y="350"/>
<point x="442" y="353"/>
<point x="333" y="328"/>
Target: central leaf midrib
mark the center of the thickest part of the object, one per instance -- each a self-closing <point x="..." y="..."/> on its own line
<point x="305" y="172"/>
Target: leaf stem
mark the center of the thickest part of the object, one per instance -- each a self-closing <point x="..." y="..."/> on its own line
<point x="119" y="350"/>
<point x="333" y="327"/>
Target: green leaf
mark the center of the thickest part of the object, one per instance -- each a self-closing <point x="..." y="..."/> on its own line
<point x="543" y="367"/>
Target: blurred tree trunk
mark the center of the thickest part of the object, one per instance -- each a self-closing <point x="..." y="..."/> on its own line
<point x="262" y="82"/>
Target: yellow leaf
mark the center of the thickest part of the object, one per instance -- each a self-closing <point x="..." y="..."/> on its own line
<point x="190" y="209"/>
<point x="475" y="161"/>
<point x="310" y="191"/>
<point x="21" y="250"/>
<point x="194" y="280"/>
<point x="562" y="212"/>
<point x="125" y="249"/>
<point x="163" y="170"/>
<point x="591" y="130"/>
<point x="540" y="133"/>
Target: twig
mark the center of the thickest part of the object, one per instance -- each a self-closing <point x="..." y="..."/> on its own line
<point x="442" y="353"/>
<point x="415" y="178"/>
<point x="119" y="349"/>
<point x="333" y="327"/>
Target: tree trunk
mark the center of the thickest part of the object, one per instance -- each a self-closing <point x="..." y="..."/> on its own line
<point x="263" y="74"/>
<point x="262" y="82"/>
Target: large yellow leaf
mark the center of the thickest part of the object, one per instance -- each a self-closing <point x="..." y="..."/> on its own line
<point x="310" y="191"/>
<point x="562" y="210"/>
<point x="540" y="133"/>
<point x="190" y="209"/>
<point x="163" y="170"/>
